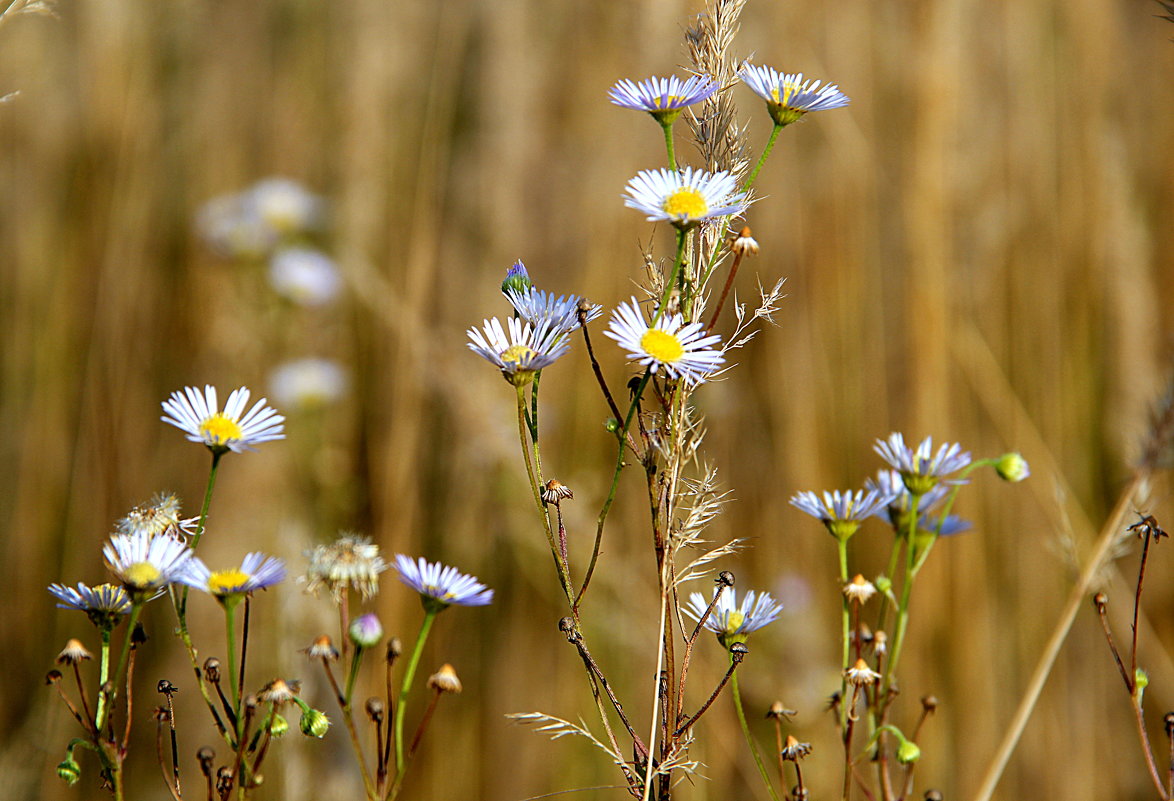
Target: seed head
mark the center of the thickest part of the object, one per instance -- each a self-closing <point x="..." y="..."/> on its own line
<point x="445" y="680"/>
<point x="74" y="653"/>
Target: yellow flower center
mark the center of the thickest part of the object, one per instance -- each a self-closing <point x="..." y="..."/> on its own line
<point x="785" y="96"/>
<point x="662" y="346"/>
<point x="666" y="102"/>
<point x="227" y="582"/>
<point x="141" y="575"/>
<point x="516" y="354"/>
<point x="219" y="429"/>
<point x="686" y="203"/>
<point x="735" y="619"/>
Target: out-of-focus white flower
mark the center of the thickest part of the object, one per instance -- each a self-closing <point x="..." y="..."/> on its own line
<point x="285" y="205"/>
<point x="305" y="276"/>
<point x="308" y="383"/>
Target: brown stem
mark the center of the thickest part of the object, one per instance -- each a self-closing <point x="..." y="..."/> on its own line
<point x="712" y="697"/>
<point x="725" y="290"/>
<point x="1146" y="749"/>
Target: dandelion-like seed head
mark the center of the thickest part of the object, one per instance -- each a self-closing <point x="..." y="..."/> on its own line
<point x="663" y="98"/>
<point x="74" y="653"/>
<point x="520" y="355"/>
<point x="322" y="648"/>
<point x="685" y="198"/>
<point x="159" y="516"/>
<point x="788" y="97"/>
<point x="350" y="562"/>
<point x="682" y="350"/>
<point x="441" y="586"/>
<point x="730" y="621"/>
<point x="256" y="572"/>
<point x="279" y="691"/>
<point x="841" y="512"/>
<point x="145" y="564"/>
<point x="922" y="469"/>
<point x="104" y="604"/>
<point x="233" y="429"/>
<point x="859" y="589"/>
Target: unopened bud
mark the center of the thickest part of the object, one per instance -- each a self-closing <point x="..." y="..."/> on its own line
<point x="205" y="756"/>
<point x="725" y="579"/>
<point x="69" y="771"/>
<point x="394" y="649"/>
<point x="374" y="709"/>
<point x="1141" y="679"/>
<point x="278" y="725"/>
<point x="314" y="723"/>
<point x="884" y="584"/>
<point x="1012" y="467"/>
<point x="517" y="280"/>
<point x="1169" y="721"/>
<point x="929" y="703"/>
<point x="212" y="669"/>
<point x="933" y="795"/>
<point x="366" y="631"/>
<point x="1100" y="601"/>
<point x="908" y="752"/>
<point x="53" y="676"/>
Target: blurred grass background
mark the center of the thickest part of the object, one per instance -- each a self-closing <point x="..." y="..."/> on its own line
<point x="977" y="249"/>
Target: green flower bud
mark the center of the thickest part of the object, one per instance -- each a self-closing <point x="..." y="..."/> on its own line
<point x="516" y="279"/>
<point x="1141" y="679"/>
<point x="884" y="584"/>
<point x="908" y="752"/>
<point x="1012" y="467"/>
<point x="366" y="631"/>
<point x="69" y="771"/>
<point x="314" y="723"/>
<point x="612" y="425"/>
<point x="278" y="725"/>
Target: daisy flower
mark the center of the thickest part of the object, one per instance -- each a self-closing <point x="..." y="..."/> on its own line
<point x="305" y="276"/>
<point x="730" y="621"/>
<point x="524" y="352"/>
<point x="663" y="98"/>
<point x="285" y="205"/>
<point x="143" y="563"/>
<point x="231" y="430"/>
<point x="257" y="572"/>
<point x="842" y="512"/>
<point x="682" y="350"/>
<point x="788" y="97"/>
<point x="440" y="586"/>
<point x="559" y="313"/>
<point x="308" y="383"/>
<point x="921" y="470"/>
<point x="104" y="604"/>
<point x="685" y="198"/>
<point x="349" y="562"/>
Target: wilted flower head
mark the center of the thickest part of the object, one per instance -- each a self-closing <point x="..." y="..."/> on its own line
<point x="308" y="383"/>
<point x="555" y="491"/>
<point x="233" y="429"/>
<point x="789" y="97"/>
<point x="841" y="512"/>
<point x="445" y="680"/>
<point x="686" y="197"/>
<point x="524" y="352"/>
<point x="145" y="564"/>
<point x="306" y="276"/>
<point x="859" y="589"/>
<point x="663" y="98"/>
<point x="731" y="622"/>
<point x="159" y="516"/>
<point x="441" y="586"/>
<point x="323" y="648"/>
<point x="922" y="470"/>
<point x="279" y="691"/>
<point x="257" y="572"/>
<point x="73" y="653"/>
<point x="105" y="604"/>
<point x="350" y="562"/>
<point x="682" y="350"/>
<point x="860" y="674"/>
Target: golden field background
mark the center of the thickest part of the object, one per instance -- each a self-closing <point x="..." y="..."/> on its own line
<point x="977" y="248"/>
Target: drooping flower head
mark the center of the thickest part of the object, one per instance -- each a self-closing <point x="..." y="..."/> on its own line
<point x="922" y="469"/>
<point x="256" y="572"/>
<point x="440" y="586"/>
<point x="663" y="98"/>
<point x="730" y="621"/>
<point x="523" y="353"/>
<point x="788" y="97"/>
<point x="841" y="512"/>
<point x="159" y="516"/>
<point x="685" y="198"/>
<point x="682" y="350"/>
<point x="145" y="564"/>
<point x="350" y="562"/>
<point x="104" y="604"/>
<point x="233" y="429"/>
<point x="559" y="313"/>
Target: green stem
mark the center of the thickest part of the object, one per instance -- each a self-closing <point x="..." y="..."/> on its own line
<point x="668" y="144"/>
<point x="668" y="287"/>
<point x="906" y="593"/>
<point x="229" y="604"/>
<point x="749" y="739"/>
<point x="181" y="608"/>
<point x="409" y="674"/>
<point x="350" y="680"/>
<point x="774" y="134"/>
<point x="621" y="438"/>
<point x="135" y="609"/>
<point x="103" y="675"/>
<point x="842" y="548"/>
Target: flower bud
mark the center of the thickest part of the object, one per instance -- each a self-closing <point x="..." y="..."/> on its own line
<point x="314" y="723"/>
<point x="1012" y="467"/>
<point x="69" y="771"/>
<point x="366" y="631"/>
<point x="908" y="752"/>
<point x="884" y="584"/>
<point x="1141" y="679"/>
<point x="278" y="725"/>
<point x="516" y="279"/>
